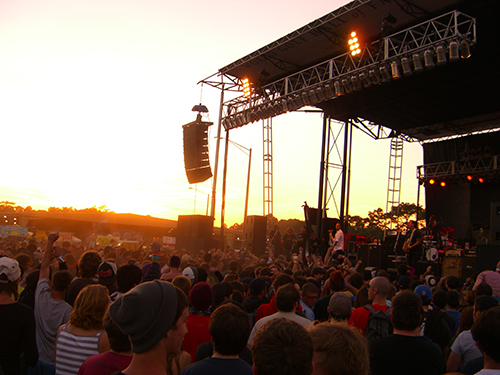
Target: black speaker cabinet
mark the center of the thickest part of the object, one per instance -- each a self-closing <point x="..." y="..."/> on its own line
<point x="196" y="162"/>
<point x="468" y="267"/>
<point x="255" y="234"/>
<point x="495" y="223"/>
<point x="372" y="256"/>
<point x="487" y="257"/>
<point x="194" y="232"/>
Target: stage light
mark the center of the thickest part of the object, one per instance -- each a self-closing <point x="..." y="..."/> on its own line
<point x="432" y="181"/>
<point x="428" y="59"/>
<point x="356" y="83"/>
<point x="330" y="93"/>
<point x="320" y="94"/>
<point x="441" y="55"/>
<point x="442" y="183"/>
<point x="469" y="177"/>
<point x="363" y="76"/>
<point x="354" y="44"/>
<point x="305" y="98"/>
<point x="405" y="64"/>
<point x="454" y="51"/>
<point x="346" y="82"/>
<point x="339" y="90"/>
<point x="417" y="63"/>
<point x="481" y="180"/>
<point x="395" y="70"/>
<point x="386" y="77"/>
<point x="246" y="87"/>
<point x="464" y="49"/>
<point x="374" y="76"/>
<point x="313" y="97"/>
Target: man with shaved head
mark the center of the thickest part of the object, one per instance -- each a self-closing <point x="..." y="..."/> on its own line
<point x="378" y="290"/>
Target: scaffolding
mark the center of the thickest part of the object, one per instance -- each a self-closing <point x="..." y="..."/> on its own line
<point x="394" y="182"/>
<point x="267" y="136"/>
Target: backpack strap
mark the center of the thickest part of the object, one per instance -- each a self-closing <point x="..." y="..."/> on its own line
<point x="370" y="308"/>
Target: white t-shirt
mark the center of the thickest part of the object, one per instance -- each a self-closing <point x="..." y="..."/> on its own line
<point x="339" y="240"/>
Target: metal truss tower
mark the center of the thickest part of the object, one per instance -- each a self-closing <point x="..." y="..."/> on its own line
<point x="334" y="172"/>
<point x="267" y="136"/>
<point x="394" y="182"/>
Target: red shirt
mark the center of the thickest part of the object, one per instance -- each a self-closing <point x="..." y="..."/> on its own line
<point x="104" y="364"/>
<point x="197" y="326"/>
<point x="269" y="309"/>
<point x="359" y="317"/>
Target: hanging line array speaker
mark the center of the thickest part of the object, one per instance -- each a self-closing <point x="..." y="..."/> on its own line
<point x="196" y="161"/>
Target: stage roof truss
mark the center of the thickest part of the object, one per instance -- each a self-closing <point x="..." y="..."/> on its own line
<point x="316" y="84"/>
<point x="488" y="165"/>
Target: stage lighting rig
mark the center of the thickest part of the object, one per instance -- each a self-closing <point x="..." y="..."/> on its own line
<point x="354" y="44"/>
<point x="247" y="91"/>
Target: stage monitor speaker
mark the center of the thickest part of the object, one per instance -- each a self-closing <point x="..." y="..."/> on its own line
<point x="495" y="223"/>
<point x="487" y="257"/>
<point x="452" y="266"/>
<point x="256" y="234"/>
<point x="372" y="256"/>
<point x="468" y="267"/>
<point x="194" y="232"/>
<point x="196" y="161"/>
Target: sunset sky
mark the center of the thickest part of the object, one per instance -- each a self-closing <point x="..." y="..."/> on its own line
<point x="94" y="94"/>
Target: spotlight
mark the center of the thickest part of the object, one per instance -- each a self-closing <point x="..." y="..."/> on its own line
<point x="320" y="94"/>
<point x="329" y="91"/>
<point x="481" y="180"/>
<point x="356" y="83"/>
<point x="395" y="70"/>
<point x="246" y="87"/>
<point x="442" y="183"/>
<point x="441" y="55"/>
<point x="432" y="181"/>
<point x="305" y="98"/>
<point x="386" y="77"/>
<point x="464" y="49"/>
<point x="469" y="177"/>
<point x="346" y="82"/>
<point x="405" y="64"/>
<point x="339" y="90"/>
<point x="354" y="44"/>
<point x="417" y="63"/>
<point x="428" y="59"/>
<point x="363" y="76"/>
<point x="374" y="76"/>
<point x="454" y="55"/>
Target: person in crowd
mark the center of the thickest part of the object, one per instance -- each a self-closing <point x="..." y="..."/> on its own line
<point x="174" y="263"/>
<point x="310" y="294"/>
<point x="106" y="273"/>
<point x="201" y="298"/>
<point x="153" y="315"/>
<point x="183" y="283"/>
<point x="379" y="289"/>
<point x="492" y="278"/>
<point x="452" y="309"/>
<point x="287" y="301"/>
<point x="17" y="322"/>
<point x="339" y="308"/>
<point x="230" y="328"/>
<point x="464" y="348"/>
<point x="289" y="240"/>
<point x="414" y="245"/>
<point x="257" y="296"/>
<point x="405" y="351"/>
<point x="127" y="277"/>
<point x="51" y="311"/>
<point x="84" y="334"/>
<point x="339" y="349"/>
<point x="282" y="347"/>
<point x="87" y="270"/>
<point x="110" y="362"/>
<point x="486" y="333"/>
<point x="270" y="308"/>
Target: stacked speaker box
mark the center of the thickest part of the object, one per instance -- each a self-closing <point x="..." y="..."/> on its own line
<point x="196" y="162"/>
<point x="373" y="256"/>
<point x="487" y="257"/>
<point x="256" y="234"/>
<point x="194" y="233"/>
<point x="452" y="266"/>
<point x="495" y="223"/>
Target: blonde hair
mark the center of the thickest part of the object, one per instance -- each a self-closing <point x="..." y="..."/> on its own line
<point x="90" y="306"/>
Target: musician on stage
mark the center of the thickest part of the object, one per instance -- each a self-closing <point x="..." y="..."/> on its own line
<point x="413" y="245"/>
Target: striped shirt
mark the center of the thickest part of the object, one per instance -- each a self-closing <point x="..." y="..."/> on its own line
<point x="72" y="350"/>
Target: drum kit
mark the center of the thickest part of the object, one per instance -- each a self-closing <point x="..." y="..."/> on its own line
<point x="432" y="242"/>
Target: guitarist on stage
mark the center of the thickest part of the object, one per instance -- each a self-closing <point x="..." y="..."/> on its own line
<point x="413" y="245"/>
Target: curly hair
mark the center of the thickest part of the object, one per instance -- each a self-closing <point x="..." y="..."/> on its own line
<point x="88" y="264"/>
<point x="90" y="306"/>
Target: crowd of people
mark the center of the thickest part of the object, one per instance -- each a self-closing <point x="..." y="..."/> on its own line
<point x="70" y="310"/>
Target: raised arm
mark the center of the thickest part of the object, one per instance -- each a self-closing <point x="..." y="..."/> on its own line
<point x="44" y="266"/>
